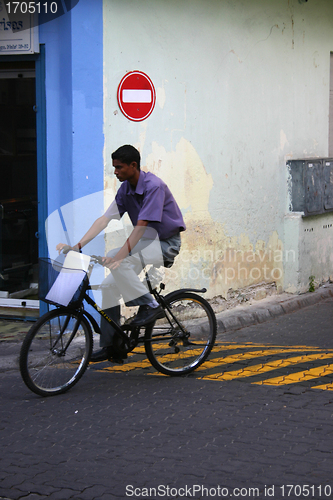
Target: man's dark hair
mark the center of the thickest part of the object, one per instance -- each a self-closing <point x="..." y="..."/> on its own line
<point x="127" y="154"/>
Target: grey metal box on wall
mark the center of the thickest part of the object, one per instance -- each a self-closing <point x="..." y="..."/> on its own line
<point x="311" y="186"/>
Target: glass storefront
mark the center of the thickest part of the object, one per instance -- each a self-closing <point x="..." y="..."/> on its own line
<point x="18" y="186"/>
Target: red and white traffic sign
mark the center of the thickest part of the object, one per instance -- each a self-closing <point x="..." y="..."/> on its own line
<point x="136" y="96"/>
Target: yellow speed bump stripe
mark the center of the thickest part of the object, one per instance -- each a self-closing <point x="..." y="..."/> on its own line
<point x="324" y="387"/>
<point x="249" y="355"/>
<point x="302" y="376"/>
<point x="250" y="371"/>
<point x="133" y="363"/>
<point x="226" y="356"/>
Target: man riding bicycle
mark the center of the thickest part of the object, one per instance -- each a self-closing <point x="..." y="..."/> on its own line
<point x="151" y="207"/>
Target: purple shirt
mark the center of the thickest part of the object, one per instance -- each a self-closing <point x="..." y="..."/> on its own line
<point x="150" y="200"/>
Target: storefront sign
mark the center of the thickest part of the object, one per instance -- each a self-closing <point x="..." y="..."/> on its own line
<point x="136" y="96"/>
<point x="19" y="34"/>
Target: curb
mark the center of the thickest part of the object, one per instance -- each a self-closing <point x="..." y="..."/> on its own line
<point x="268" y="309"/>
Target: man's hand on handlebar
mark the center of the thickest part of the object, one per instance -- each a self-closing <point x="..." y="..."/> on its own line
<point x="111" y="263"/>
<point x="62" y="247"/>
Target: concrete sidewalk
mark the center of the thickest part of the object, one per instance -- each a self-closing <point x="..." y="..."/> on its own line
<point x="12" y="332"/>
<point x="269" y="308"/>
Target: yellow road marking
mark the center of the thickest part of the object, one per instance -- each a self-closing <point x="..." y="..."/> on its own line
<point x="302" y="376"/>
<point x="222" y="347"/>
<point x="325" y="387"/>
<point x="212" y="363"/>
<point x="126" y="367"/>
<point x="249" y="371"/>
<point x="145" y="362"/>
<point x="307" y="354"/>
<point x="132" y="365"/>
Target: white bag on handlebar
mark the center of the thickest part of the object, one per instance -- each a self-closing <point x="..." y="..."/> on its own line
<point x="70" y="278"/>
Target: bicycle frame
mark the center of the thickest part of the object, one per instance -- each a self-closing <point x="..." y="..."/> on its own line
<point x="119" y="331"/>
<point x="161" y="300"/>
<point x="90" y="301"/>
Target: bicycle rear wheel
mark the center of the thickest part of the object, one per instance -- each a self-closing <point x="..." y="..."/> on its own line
<point x="56" y="352"/>
<point x="182" y="341"/>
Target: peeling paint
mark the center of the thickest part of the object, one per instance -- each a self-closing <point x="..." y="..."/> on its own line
<point x="161" y="96"/>
<point x="283" y="140"/>
<point x="210" y="257"/>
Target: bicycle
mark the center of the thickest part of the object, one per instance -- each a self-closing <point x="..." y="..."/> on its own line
<point x="56" y="351"/>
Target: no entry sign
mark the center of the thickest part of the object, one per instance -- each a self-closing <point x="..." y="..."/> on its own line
<point x="136" y="96"/>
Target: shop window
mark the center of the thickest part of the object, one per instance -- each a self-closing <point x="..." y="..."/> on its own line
<point x="18" y="172"/>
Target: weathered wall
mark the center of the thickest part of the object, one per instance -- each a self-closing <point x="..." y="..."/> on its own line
<point x="241" y="87"/>
<point x="312" y="238"/>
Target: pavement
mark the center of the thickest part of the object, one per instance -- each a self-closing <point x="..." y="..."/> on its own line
<point x="12" y="332"/>
<point x="255" y="421"/>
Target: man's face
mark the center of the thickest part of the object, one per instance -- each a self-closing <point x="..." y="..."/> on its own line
<point x="125" y="172"/>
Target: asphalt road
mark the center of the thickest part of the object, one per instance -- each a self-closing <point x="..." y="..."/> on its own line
<point x="256" y="422"/>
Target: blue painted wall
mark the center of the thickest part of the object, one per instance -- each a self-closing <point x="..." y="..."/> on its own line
<point x="74" y="103"/>
<point x="74" y="107"/>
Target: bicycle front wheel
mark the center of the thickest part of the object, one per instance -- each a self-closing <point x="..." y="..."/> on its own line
<point x="182" y="341"/>
<point x="56" y="352"/>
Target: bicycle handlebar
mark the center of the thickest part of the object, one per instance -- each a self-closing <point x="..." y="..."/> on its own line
<point x="98" y="259"/>
<point x="66" y="249"/>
